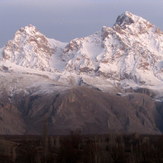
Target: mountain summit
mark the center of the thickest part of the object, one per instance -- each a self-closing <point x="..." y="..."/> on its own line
<point x="29" y="48"/>
<point x="126" y="18"/>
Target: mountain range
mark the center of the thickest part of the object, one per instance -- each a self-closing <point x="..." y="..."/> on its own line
<point x="110" y="81"/>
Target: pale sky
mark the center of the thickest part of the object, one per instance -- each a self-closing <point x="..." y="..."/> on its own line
<point x="67" y="19"/>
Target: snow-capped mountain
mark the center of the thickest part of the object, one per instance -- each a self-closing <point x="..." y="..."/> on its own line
<point x="39" y="79"/>
<point x="131" y="50"/>
<point x="30" y="48"/>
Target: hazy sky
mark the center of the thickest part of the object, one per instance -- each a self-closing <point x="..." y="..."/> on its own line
<point x="68" y="19"/>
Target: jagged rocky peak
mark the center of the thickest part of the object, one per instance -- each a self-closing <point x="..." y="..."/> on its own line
<point x="29" y="34"/>
<point x="128" y="23"/>
<point x="29" y="29"/>
<point x="29" y="48"/>
<point x="126" y="18"/>
<point x="27" y="39"/>
<point x="134" y="22"/>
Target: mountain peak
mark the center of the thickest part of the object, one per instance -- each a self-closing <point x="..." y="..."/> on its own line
<point x="133" y="24"/>
<point x="29" y="48"/>
<point x="29" y="29"/>
<point x="129" y="14"/>
<point x="126" y="18"/>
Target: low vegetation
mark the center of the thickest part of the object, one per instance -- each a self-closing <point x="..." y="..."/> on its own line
<point x="77" y="148"/>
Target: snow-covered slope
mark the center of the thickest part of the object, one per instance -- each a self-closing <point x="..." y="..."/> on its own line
<point x="132" y="49"/>
<point x="31" y="49"/>
<point x="129" y="53"/>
